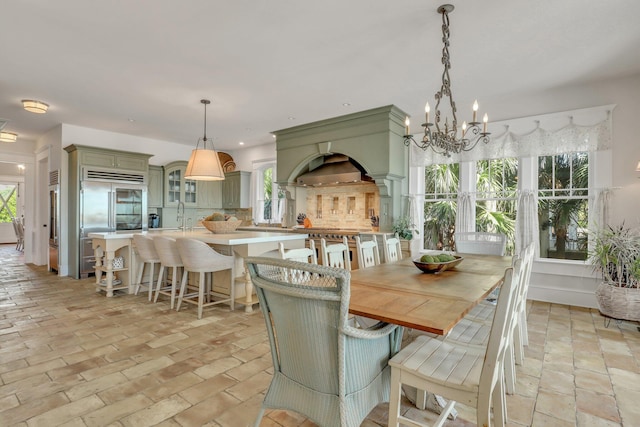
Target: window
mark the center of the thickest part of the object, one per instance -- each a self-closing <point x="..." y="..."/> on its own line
<point x="440" y="206"/>
<point x="8" y="205"/>
<point x="269" y="196"/>
<point x="496" y="196"/>
<point x="563" y="214"/>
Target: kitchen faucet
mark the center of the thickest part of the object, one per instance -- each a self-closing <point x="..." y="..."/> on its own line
<point x="181" y="217"/>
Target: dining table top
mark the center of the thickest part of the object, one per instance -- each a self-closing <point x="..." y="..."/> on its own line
<point x="401" y="294"/>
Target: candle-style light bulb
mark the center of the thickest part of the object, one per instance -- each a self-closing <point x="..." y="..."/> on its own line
<point x="475" y="110"/>
<point x="426" y="112"/>
<point x="407" y="126"/>
<point x="464" y="128"/>
<point x="485" y="120"/>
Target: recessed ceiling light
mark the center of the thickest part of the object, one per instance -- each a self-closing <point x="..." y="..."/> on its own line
<point x="241" y="143"/>
<point x="292" y="118"/>
<point x="34" y="106"/>
<point x="273" y="135"/>
<point x="346" y="104"/>
<point x="8" y="137"/>
<point x="131" y="120"/>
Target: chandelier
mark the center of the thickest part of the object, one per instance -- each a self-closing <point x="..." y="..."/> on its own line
<point x="444" y="138"/>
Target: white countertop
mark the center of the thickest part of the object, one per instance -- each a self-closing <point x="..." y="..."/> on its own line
<point x="235" y="238"/>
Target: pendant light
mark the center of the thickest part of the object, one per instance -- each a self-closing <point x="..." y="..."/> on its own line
<point x="8" y="137"/>
<point x="204" y="163"/>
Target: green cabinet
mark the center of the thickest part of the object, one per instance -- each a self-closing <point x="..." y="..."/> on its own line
<point x="106" y="159"/>
<point x="210" y="194"/>
<point x="177" y="188"/>
<point x="155" y="187"/>
<point x="235" y="190"/>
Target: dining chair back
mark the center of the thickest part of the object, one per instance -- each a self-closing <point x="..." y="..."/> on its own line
<point x="148" y="256"/>
<point x="475" y="378"/>
<point x="323" y="368"/>
<point x="200" y="258"/>
<point x="368" y="254"/>
<point x="392" y="248"/>
<point x="301" y="254"/>
<point x="336" y="255"/>
<point x="481" y="243"/>
<point x="306" y="255"/>
<point x="169" y="259"/>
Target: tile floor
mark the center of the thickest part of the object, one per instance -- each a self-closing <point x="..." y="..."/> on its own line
<point x="71" y="357"/>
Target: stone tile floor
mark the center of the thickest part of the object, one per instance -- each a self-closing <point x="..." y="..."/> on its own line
<point x="71" y="357"/>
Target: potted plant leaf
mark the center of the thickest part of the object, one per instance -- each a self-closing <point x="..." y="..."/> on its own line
<point x="616" y="256"/>
<point x="405" y="228"/>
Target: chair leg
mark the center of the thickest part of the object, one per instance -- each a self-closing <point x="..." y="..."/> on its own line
<point x="160" y="276"/>
<point x="510" y="371"/>
<point x="499" y="403"/>
<point x="183" y="285"/>
<point x="524" y="331"/>
<point x="151" y="281"/>
<point x="259" y="417"/>
<point x="518" y="346"/>
<point x="139" y="278"/>
<point x="394" y="398"/>
<point x="174" y="280"/>
<point x="233" y="289"/>
<point x="201" y="285"/>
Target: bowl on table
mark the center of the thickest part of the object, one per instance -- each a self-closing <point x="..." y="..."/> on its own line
<point x="222" y="227"/>
<point x="437" y="266"/>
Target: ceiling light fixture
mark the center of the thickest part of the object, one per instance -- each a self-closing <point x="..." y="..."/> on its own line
<point x="34" y="106"/>
<point x="8" y="137"/>
<point x="204" y="164"/>
<point x="445" y="140"/>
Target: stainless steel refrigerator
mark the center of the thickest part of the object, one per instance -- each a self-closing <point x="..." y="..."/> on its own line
<point x="106" y="206"/>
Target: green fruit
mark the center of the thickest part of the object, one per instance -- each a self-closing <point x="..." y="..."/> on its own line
<point x="426" y="259"/>
<point x="444" y="258"/>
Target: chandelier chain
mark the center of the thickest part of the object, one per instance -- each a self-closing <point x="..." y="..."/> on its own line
<point x="443" y="137"/>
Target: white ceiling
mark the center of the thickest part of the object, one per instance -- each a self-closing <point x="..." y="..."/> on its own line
<point x="269" y="65"/>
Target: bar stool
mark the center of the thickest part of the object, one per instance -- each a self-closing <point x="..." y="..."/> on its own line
<point x="169" y="258"/>
<point x="148" y="256"/>
<point x="203" y="259"/>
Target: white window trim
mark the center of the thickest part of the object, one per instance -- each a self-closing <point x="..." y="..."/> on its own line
<point x="259" y="166"/>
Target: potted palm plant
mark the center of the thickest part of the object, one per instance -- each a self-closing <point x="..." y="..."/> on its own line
<point x="616" y="256"/>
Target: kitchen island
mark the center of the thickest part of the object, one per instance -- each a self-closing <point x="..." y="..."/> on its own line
<point x="108" y="246"/>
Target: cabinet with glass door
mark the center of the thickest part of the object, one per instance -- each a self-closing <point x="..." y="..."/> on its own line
<point x="177" y="188"/>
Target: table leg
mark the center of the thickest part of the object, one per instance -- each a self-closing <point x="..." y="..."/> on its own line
<point x="98" y="253"/>
<point x="109" y="261"/>
<point x="248" y="288"/>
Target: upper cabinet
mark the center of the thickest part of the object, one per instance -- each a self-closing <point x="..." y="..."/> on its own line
<point x="114" y="160"/>
<point x="235" y="190"/>
<point x="154" y="193"/>
<point x="177" y="188"/>
<point x="210" y="194"/>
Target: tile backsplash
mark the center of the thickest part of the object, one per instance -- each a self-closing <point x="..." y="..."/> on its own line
<point x="344" y="206"/>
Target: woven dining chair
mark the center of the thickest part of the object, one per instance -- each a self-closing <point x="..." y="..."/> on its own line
<point x="472" y="377"/>
<point x="323" y="368"/>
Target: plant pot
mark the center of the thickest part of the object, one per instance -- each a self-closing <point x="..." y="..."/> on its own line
<point x="617" y="302"/>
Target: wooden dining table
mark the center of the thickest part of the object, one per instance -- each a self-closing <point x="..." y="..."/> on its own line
<point x="401" y="294"/>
